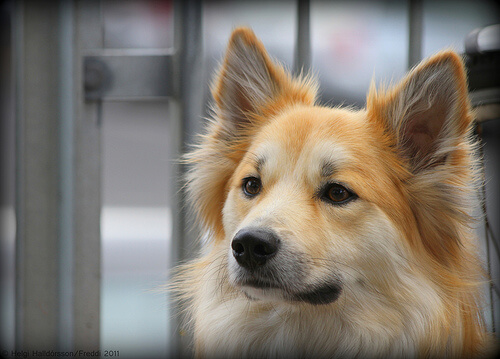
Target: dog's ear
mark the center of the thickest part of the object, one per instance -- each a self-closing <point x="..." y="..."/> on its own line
<point x="428" y="112"/>
<point x="427" y="119"/>
<point x="250" y="86"/>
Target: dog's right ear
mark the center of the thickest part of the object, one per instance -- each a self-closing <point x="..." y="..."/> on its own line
<point x="250" y="86"/>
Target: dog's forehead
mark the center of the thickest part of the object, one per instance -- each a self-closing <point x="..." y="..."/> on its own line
<point x="325" y="156"/>
<point x="312" y="140"/>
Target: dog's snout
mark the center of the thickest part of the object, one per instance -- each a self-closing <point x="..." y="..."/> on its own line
<point x="253" y="247"/>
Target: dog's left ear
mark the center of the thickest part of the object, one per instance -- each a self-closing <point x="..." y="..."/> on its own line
<point x="428" y="112"/>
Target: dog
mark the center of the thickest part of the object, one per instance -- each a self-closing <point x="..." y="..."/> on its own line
<point x="332" y="232"/>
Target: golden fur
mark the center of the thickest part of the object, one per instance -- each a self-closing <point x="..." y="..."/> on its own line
<point x="391" y="272"/>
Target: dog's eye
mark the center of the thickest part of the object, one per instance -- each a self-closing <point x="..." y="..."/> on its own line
<point x="251" y="186"/>
<point x="337" y="194"/>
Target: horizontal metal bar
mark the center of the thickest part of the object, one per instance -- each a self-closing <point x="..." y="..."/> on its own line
<point x="129" y="74"/>
<point x="485" y="96"/>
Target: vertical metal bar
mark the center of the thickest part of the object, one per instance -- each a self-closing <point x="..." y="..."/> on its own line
<point x="88" y="35"/>
<point x="57" y="161"/>
<point x="66" y="175"/>
<point x="415" y="32"/>
<point x="189" y="51"/>
<point x="188" y="67"/>
<point x="302" y="60"/>
<point x="37" y="170"/>
<point x="18" y="53"/>
<point x="484" y="214"/>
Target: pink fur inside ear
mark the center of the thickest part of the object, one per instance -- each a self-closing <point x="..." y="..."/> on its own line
<point x="424" y="128"/>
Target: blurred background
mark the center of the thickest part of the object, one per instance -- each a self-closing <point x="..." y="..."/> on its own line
<point x="99" y="98"/>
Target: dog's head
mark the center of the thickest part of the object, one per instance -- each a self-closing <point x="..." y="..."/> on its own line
<point x="306" y="202"/>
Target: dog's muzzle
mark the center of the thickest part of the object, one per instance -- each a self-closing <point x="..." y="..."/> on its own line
<point x="266" y="269"/>
<point x="254" y="247"/>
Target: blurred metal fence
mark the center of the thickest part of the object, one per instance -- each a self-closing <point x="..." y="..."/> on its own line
<point x="63" y="75"/>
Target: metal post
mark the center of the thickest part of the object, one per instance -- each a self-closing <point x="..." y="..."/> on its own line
<point x="57" y="178"/>
<point x="88" y="35"/>
<point x="302" y="61"/>
<point x="37" y="116"/>
<point x="66" y="175"/>
<point x="18" y="53"/>
<point x="415" y="32"/>
<point x="188" y="63"/>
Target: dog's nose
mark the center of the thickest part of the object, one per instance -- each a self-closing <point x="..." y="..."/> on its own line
<point x="253" y="247"/>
